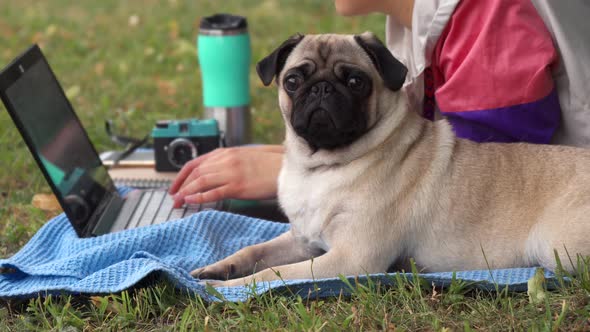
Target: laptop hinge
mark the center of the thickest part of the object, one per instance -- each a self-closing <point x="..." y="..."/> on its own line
<point x="107" y="215"/>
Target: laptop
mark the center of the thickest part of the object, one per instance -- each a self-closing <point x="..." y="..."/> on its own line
<point x="62" y="149"/>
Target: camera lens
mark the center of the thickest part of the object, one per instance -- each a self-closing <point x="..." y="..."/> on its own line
<point x="181" y="151"/>
<point x="182" y="154"/>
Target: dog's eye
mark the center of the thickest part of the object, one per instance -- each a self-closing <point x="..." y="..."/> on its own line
<point x="355" y="83"/>
<point x="292" y="82"/>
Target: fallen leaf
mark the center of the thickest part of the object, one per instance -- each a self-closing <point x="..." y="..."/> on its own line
<point x="46" y="202"/>
<point x="206" y="323"/>
<point x="123" y="67"/>
<point x="133" y="21"/>
<point x="5" y="30"/>
<point x="99" y="69"/>
<point x="149" y="51"/>
<point x="167" y="88"/>
<point x="96" y="300"/>
<point x="37" y="37"/>
<point x="73" y="91"/>
<point x="50" y="30"/>
<point x="173" y="30"/>
<point x="536" y="287"/>
<point x="184" y="46"/>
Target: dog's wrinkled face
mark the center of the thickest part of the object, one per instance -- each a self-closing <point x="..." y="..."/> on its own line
<point x="329" y="99"/>
<point x="327" y="85"/>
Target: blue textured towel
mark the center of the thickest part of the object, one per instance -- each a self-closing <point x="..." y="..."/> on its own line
<point x="56" y="261"/>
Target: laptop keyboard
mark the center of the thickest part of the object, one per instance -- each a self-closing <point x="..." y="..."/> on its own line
<point x="156" y="206"/>
<point x="166" y="208"/>
<point x="149" y="207"/>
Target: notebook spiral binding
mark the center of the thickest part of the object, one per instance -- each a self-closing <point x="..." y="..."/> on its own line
<point x="143" y="183"/>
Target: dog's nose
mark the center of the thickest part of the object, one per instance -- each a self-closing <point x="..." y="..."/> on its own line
<point x="322" y="88"/>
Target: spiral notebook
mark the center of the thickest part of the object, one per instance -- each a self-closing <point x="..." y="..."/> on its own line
<point x="141" y="177"/>
<point x="136" y="170"/>
<point x="138" y="158"/>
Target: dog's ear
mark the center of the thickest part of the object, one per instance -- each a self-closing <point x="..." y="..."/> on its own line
<point x="272" y="65"/>
<point x="392" y="71"/>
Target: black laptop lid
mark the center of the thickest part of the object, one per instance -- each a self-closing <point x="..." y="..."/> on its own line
<point x="37" y="104"/>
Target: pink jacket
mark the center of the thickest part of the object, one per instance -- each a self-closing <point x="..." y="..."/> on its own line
<point x="500" y="70"/>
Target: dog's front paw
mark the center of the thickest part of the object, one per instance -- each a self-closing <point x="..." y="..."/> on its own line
<point x="214" y="271"/>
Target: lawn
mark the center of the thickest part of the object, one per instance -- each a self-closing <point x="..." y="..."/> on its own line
<point x="135" y="62"/>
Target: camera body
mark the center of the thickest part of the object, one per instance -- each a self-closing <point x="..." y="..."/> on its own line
<point x="178" y="141"/>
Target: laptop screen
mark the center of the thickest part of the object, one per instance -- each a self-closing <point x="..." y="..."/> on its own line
<point x="56" y="138"/>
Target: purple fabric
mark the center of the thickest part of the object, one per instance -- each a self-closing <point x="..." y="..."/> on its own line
<point x="533" y="122"/>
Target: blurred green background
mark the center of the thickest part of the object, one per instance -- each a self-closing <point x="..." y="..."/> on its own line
<point x="135" y="62"/>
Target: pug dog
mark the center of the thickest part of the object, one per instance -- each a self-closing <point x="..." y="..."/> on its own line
<point x="368" y="184"/>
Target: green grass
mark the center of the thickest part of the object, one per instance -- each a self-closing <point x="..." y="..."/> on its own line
<point x="409" y="305"/>
<point x="136" y="74"/>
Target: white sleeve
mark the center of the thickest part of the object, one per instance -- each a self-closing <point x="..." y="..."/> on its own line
<point x="569" y="26"/>
<point x="414" y="47"/>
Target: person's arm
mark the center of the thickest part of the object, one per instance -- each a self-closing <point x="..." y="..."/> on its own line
<point x="492" y="73"/>
<point x="248" y="172"/>
<point x="400" y="10"/>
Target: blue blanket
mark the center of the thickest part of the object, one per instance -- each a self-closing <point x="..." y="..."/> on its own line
<point x="57" y="261"/>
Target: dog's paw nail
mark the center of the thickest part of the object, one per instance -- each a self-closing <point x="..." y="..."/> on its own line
<point x="197" y="272"/>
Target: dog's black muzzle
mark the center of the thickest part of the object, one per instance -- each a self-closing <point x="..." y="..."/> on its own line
<point x="327" y="118"/>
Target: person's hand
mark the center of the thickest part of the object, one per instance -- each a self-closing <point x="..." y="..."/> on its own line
<point x="247" y="172"/>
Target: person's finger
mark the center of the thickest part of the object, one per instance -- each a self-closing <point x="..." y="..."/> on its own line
<point x="200" y="184"/>
<point x="188" y="168"/>
<point x="213" y="195"/>
<point x="204" y="183"/>
<point x="182" y="175"/>
<point x="230" y="161"/>
<point x="203" y="170"/>
<point x="178" y="202"/>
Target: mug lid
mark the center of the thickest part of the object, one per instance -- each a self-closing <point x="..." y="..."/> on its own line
<point x="223" y="23"/>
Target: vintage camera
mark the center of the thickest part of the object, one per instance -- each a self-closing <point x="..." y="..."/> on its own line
<point x="178" y="141"/>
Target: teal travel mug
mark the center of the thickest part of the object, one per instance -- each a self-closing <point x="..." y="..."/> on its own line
<point x="224" y="56"/>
